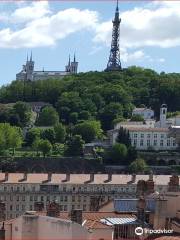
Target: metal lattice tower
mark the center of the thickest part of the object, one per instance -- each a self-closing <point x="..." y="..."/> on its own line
<point x="114" y="63"/>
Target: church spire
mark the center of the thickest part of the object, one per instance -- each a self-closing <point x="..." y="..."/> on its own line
<point x="74" y="57"/>
<point x="31" y="57"/>
<point x="69" y="63"/>
<point x="27" y="57"/>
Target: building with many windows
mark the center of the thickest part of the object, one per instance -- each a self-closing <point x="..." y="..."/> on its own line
<point x="148" y="135"/>
<point x="19" y="192"/>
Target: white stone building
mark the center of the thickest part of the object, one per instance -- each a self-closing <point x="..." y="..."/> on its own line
<point x="148" y="135"/>
<point x="21" y="191"/>
<point x="146" y="113"/>
<point x="29" y="74"/>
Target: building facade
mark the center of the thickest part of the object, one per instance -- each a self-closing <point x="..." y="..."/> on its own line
<point x="146" y="113"/>
<point x="148" y="135"/>
<point x="29" y="74"/>
<point x="19" y="192"/>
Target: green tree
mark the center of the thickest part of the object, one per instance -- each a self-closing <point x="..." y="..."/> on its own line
<point x="60" y="133"/>
<point x="117" y="154"/>
<point x="84" y="115"/>
<point x="138" y="166"/>
<point x="89" y="130"/>
<point x="137" y="118"/>
<point x="48" y="134"/>
<point x="45" y="147"/>
<point x="10" y="137"/>
<point x="35" y="145"/>
<point x="73" y="117"/>
<point x="23" y="111"/>
<point x="48" y="117"/>
<point x="124" y="137"/>
<point x="31" y="135"/>
<point x="75" y="146"/>
<point x="109" y="113"/>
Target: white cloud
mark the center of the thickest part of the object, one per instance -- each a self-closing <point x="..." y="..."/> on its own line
<point x="157" y="24"/>
<point x="34" y="11"/>
<point x="35" y="25"/>
<point x="45" y="29"/>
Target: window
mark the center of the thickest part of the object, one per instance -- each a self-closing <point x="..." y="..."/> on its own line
<point x="23" y="198"/>
<point x="17" y="207"/>
<point x="142" y="135"/>
<point x="42" y="198"/>
<point x="162" y="135"/>
<point x="17" y="198"/>
<point x="84" y="207"/>
<point x="148" y="142"/>
<point x="168" y="142"/>
<point x="11" y="207"/>
<point x="141" y="142"/>
<point x="84" y="198"/>
<point x="73" y="198"/>
<point x="135" y="135"/>
<point x="65" y="198"/>
<point x="61" y="198"/>
<point x="64" y="189"/>
<point x="135" y="142"/>
<point x="174" y="143"/>
<point x="65" y="207"/>
<point x="23" y="207"/>
<point x="79" y="198"/>
<point x="148" y="135"/>
<point x="155" y="142"/>
<point x="31" y="198"/>
<point x="35" y="198"/>
<point x="155" y="135"/>
<point x="161" y="143"/>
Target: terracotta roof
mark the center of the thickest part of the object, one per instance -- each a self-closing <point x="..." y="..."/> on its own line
<point x="119" y="179"/>
<point x="95" y="224"/>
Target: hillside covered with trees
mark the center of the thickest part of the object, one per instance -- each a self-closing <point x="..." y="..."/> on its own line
<point x="100" y="95"/>
<point x="84" y="106"/>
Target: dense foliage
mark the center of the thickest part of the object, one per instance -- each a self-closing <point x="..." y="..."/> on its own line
<point x="100" y="95"/>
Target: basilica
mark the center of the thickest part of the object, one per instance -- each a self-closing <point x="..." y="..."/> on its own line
<point x="29" y="74"/>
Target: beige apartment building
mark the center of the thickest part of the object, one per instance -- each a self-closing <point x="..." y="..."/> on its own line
<point x="20" y="191"/>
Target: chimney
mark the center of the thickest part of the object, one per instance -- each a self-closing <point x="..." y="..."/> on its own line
<point x="38" y="206"/>
<point x="133" y="178"/>
<point x="76" y="216"/>
<point x="141" y="206"/>
<point x="53" y="209"/>
<point x="151" y="176"/>
<point x="149" y="187"/>
<point x="67" y="179"/>
<point x="2" y="211"/>
<point x="24" y="178"/>
<point x="5" y="177"/>
<point x="2" y="232"/>
<point x="141" y="187"/>
<point x="173" y="185"/>
<point x="48" y="178"/>
<point x="109" y="179"/>
<point x="91" y="179"/>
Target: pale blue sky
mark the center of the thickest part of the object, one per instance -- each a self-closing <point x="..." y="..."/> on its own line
<point x="150" y="35"/>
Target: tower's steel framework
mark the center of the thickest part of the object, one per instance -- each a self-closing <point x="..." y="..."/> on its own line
<point x="114" y="63"/>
